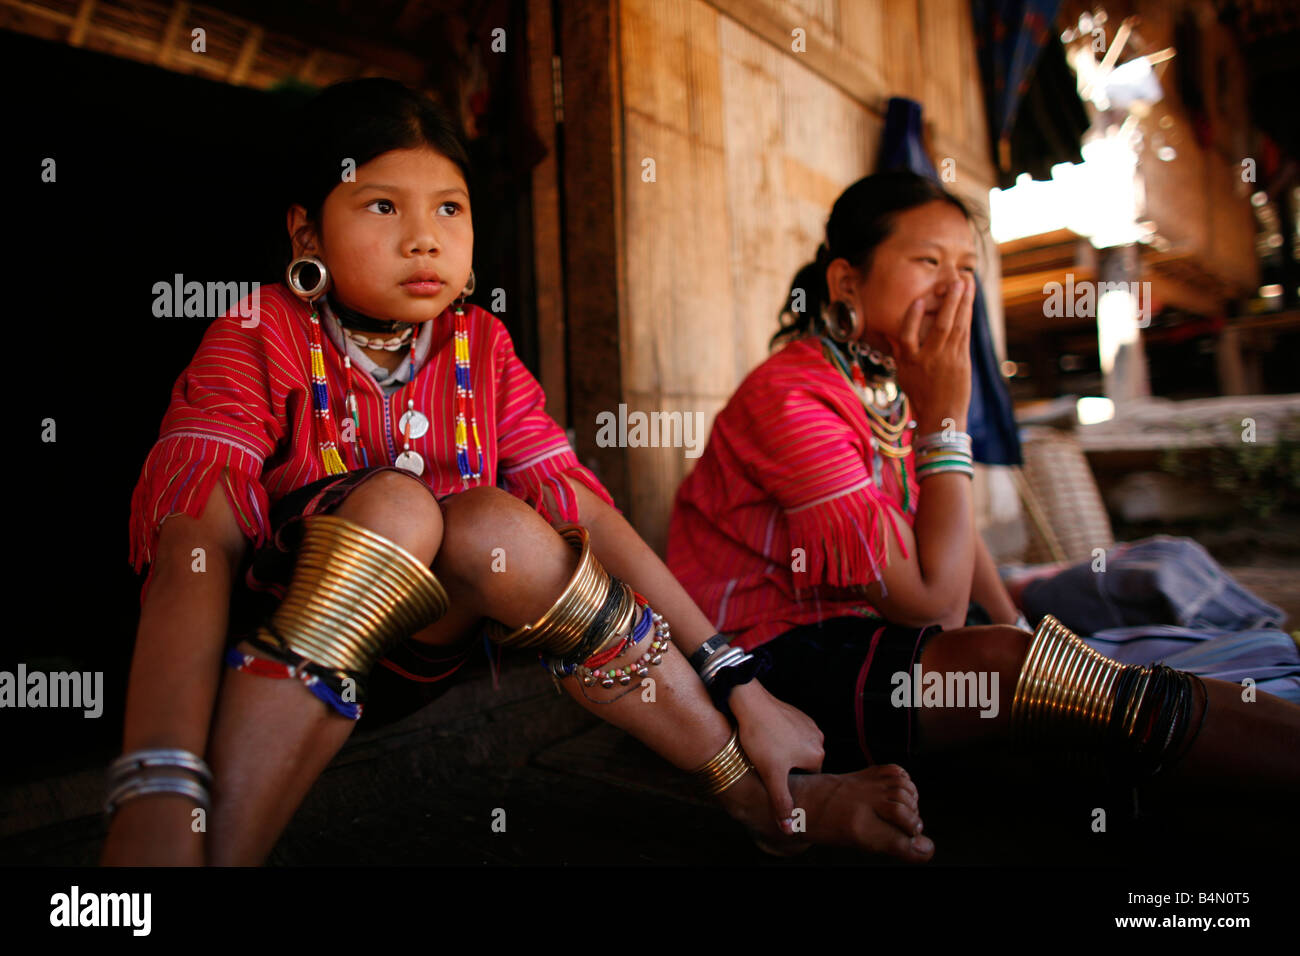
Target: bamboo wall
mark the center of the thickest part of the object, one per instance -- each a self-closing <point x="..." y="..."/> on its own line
<point x="751" y="143"/>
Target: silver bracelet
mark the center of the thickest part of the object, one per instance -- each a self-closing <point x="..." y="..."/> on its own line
<point x="137" y="786"/>
<point x="942" y="439"/>
<point x="733" y="655"/>
<point x="149" y="758"/>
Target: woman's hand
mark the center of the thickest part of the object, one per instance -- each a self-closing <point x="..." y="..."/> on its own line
<point x="934" y="364"/>
<point x="777" y="738"/>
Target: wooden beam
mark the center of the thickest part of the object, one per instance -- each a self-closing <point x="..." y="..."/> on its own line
<point x="1027" y="287"/>
<point x="79" y="26"/>
<point x="309" y="65"/>
<point x="179" y="10"/>
<point x="37" y="10"/>
<point x="1053" y="238"/>
<point x="247" y="56"/>
<point x="1188" y="296"/>
<point x="592" y="178"/>
<point x="548" y="264"/>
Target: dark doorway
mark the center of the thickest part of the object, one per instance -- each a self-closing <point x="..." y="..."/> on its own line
<point x="155" y="174"/>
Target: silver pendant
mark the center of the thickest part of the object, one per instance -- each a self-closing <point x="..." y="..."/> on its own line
<point x="410" y="461"/>
<point x="419" y="424"/>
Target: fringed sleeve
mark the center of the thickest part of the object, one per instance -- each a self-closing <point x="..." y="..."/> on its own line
<point x="177" y="478"/>
<point x="554" y="473"/>
<point x="842" y="538"/>
<point x="219" y="427"/>
<point x="806" y="454"/>
<point x="533" y="454"/>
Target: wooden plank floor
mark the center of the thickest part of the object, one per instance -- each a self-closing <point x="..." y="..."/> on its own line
<point x="427" y="789"/>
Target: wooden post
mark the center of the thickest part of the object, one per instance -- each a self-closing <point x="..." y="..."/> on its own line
<point x="1227" y="356"/>
<point x="591" y="157"/>
<point x="1128" y="376"/>
<point x="548" y="264"/>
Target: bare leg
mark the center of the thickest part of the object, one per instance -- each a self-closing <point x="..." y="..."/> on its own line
<point x="259" y="787"/>
<point x="1271" y="726"/>
<point x="272" y="738"/>
<point x="874" y="810"/>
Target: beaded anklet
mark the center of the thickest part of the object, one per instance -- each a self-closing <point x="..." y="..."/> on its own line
<point x="304" y="671"/>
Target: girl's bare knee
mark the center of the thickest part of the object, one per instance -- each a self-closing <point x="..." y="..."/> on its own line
<point x="490" y="530"/>
<point x="399" y="507"/>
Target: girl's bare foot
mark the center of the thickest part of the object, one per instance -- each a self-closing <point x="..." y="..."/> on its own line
<point x="874" y="810"/>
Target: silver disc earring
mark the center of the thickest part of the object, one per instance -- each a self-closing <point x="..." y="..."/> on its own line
<point x="293" y="277"/>
<point x="835" y="326"/>
<point x="469" y="286"/>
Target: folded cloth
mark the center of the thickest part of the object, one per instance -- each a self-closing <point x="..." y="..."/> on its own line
<point x="1267" y="656"/>
<point x="1159" y="580"/>
<point x="1165" y="599"/>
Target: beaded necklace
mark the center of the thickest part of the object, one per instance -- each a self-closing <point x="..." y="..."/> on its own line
<point x="465" y="402"/>
<point x="411" y="425"/>
<point x="889" y="425"/>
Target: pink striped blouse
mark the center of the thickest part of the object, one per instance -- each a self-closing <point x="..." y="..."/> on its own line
<point x="241" y="414"/>
<point x="779" y="524"/>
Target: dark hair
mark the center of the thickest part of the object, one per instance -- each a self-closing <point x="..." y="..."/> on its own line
<point x="861" y="219"/>
<point x="359" y="120"/>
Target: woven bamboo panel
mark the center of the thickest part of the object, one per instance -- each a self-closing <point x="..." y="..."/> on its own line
<point x="1063" y="486"/>
<point x="233" y="49"/>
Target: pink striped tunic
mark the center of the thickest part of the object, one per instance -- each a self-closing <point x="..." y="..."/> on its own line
<point x="780" y="523"/>
<point x="241" y="415"/>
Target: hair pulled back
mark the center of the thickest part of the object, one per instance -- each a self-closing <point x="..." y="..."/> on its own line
<point x="359" y="120"/>
<point x="861" y="219"/>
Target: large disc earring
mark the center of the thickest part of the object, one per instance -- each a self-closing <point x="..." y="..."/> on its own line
<point x="293" y="276"/>
<point x="843" y="328"/>
<point x="468" y="291"/>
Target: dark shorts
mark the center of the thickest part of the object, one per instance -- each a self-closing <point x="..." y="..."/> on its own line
<point x="839" y="673"/>
<point x="412" y="674"/>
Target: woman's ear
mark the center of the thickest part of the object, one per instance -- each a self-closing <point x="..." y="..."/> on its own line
<point x="841" y="280"/>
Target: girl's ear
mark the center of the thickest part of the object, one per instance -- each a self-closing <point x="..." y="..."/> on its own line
<point x="302" y="234"/>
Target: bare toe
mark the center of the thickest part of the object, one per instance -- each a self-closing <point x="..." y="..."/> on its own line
<point x="903" y="817"/>
<point x="899" y="795"/>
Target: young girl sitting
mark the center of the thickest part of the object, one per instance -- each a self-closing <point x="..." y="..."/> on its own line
<point x="365" y="426"/>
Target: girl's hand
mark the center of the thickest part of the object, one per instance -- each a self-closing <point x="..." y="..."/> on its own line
<point x="776" y="737"/>
<point x="934" y="370"/>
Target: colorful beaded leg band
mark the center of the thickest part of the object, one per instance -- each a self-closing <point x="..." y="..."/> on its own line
<point x="727" y="767"/>
<point x="327" y="686"/>
<point x="353" y="595"/>
<point x="1068" y="692"/>
<point x="653" y="656"/>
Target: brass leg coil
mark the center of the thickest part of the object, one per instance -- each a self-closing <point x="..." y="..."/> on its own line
<point x="353" y="595"/>
<point x="591" y="612"/>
